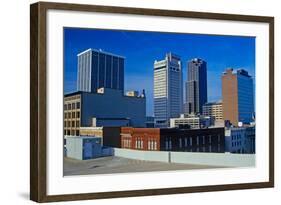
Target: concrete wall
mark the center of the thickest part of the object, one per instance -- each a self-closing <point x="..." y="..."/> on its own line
<point x="210" y="159"/>
<point x="214" y="159"/>
<point x="74" y="148"/>
<point x="158" y="156"/>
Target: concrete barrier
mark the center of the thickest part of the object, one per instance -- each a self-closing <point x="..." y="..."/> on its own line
<point x="196" y="158"/>
<point x="157" y="156"/>
<point x="214" y="159"/>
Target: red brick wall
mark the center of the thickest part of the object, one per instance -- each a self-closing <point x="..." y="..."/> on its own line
<point x="140" y="138"/>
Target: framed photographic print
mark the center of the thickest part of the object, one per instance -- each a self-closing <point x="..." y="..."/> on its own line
<point x="135" y="102"/>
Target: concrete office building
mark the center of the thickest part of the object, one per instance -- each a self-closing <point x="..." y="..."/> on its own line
<point x="168" y="91"/>
<point x="213" y="109"/>
<point x="97" y="69"/>
<point x="192" y="121"/>
<point x="196" y="86"/>
<point x="240" y="139"/>
<point x="83" y="109"/>
<point x="238" y="96"/>
<point x="173" y="139"/>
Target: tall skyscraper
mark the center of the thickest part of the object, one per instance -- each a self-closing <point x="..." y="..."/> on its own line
<point x="237" y="96"/>
<point x="168" y="89"/>
<point x="196" y="86"/>
<point x="97" y="69"/>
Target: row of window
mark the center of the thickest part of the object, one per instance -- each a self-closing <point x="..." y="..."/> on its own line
<point x="139" y="144"/>
<point x="235" y="144"/>
<point x="71" y="123"/>
<point x="72" y="106"/>
<point x="71" y="115"/>
<point x="71" y="132"/>
<point x="235" y="137"/>
<point x="185" y="142"/>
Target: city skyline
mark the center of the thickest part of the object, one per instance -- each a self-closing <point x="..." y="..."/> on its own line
<point x="141" y="49"/>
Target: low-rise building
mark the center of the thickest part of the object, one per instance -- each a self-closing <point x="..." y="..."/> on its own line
<point x="240" y="139"/>
<point x="173" y="139"/>
<point x="110" y="135"/>
<point x="83" y="147"/>
<point x="192" y="121"/>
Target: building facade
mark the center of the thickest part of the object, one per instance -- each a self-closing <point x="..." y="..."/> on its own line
<point x="193" y="122"/>
<point x="140" y="138"/>
<point x="173" y="139"/>
<point x="196" y="86"/>
<point x="97" y="69"/>
<point x="240" y="140"/>
<point x="238" y="96"/>
<point x="213" y="109"/>
<point x="81" y="109"/>
<point x="168" y="91"/>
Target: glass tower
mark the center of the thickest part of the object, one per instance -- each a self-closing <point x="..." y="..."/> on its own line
<point x="97" y="69"/>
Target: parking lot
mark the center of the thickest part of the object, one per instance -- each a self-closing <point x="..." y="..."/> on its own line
<point x="112" y="164"/>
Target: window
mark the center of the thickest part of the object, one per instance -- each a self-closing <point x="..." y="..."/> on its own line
<point x="141" y="144"/>
<point x="78" y="114"/>
<point x="73" y="114"/>
<point x="180" y="143"/>
<point x="203" y="139"/>
<point x="65" y="107"/>
<point x="73" y="123"/>
<point x="73" y="106"/>
<point x="69" y="106"/>
<point x="170" y="144"/>
<point x="185" y="142"/>
<point x="166" y="144"/>
<point x="78" y="105"/>
<point x="155" y="145"/>
<point x="77" y="123"/>
<point x="197" y="140"/>
<point x="190" y="141"/>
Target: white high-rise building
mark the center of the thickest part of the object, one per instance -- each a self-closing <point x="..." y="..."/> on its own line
<point x="168" y="90"/>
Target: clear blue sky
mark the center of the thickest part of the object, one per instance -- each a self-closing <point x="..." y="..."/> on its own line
<point x="142" y="48"/>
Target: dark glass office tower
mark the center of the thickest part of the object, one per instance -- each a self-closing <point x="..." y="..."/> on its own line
<point x="97" y="69"/>
<point x="196" y="86"/>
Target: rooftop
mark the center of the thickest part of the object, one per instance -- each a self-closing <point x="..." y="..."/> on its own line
<point x="100" y="51"/>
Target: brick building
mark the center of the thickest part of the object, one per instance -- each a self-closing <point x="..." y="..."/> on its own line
<point x="173" y="139"/>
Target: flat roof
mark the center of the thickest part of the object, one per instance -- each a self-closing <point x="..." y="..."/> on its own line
<point x="73" y="93"/>
<point x="81" y="137"/>
<point x="100" y="51"/>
